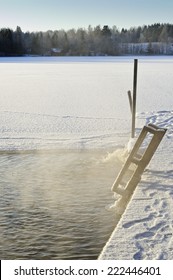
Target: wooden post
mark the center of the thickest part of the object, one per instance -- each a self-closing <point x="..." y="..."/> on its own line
<point x="134" y="98"/>
<point x="130" y="100"/>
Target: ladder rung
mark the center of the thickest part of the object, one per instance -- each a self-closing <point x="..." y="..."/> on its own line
<point x="151" y="129"/>
<point x="118" y="190"/>
<point x="118" y="183"/>
<point x="135" y="160"/>
<point x="138" y="156"/>
<point x="123" y="183"/>
<point x="155" y="127"/>
<point x="119" y="187"/>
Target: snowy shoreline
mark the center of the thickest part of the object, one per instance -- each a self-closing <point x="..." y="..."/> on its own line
<point x="145" y="230"/>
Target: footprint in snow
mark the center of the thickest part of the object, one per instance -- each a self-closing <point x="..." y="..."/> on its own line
<point x="146" y="219"/>
<point x="145" y="234"/>
<point x="152" y="194"/>
<point x="163" y="256"/>
<point x="158" y="226"/>
<point x="138" y="255"/>
<point x="147" y="208"/>
<point x="156" y="202"/>
<point x="164" y="204"/>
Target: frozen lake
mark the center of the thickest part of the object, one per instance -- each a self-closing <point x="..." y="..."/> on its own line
<point x="76" y="102"/>
<point x="60" y="117"/>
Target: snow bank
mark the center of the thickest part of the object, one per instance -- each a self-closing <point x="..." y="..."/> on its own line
<point x="145" y="230"/>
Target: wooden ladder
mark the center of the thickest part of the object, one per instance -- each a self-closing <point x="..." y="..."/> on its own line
<point x="130" y="174"/>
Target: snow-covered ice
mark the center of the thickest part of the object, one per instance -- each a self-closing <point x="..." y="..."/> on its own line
<point x="63" y="103"/>
<point x="77" y="102"/>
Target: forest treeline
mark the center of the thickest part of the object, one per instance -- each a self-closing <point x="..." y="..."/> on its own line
<point x="148" y="39"/>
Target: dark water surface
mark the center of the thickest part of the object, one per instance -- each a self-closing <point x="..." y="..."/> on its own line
<point x="53" y="203"/>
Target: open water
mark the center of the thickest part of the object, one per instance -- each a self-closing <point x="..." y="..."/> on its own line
<point x="53" y="204"/>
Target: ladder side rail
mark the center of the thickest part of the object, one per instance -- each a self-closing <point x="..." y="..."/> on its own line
<point x="134" y="180"/>
<point x="129" y="159"/>
<point x="153" y="145"/>
<point x="139" y="141"/>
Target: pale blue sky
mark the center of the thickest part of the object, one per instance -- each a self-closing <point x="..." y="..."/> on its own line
<point x="42" y="15"/>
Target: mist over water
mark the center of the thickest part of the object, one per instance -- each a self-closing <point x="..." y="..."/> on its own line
<point x="53" y="203"/>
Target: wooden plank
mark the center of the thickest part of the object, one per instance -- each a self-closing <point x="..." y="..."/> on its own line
<point x="134" y="98"/>
<point x="130" y="100"/>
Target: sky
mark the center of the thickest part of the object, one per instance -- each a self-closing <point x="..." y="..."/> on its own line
<point x="43" y="15"/>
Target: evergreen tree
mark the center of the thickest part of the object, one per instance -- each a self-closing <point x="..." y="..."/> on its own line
<point x="6" y="41"/>
<point x="18" y="41"/>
